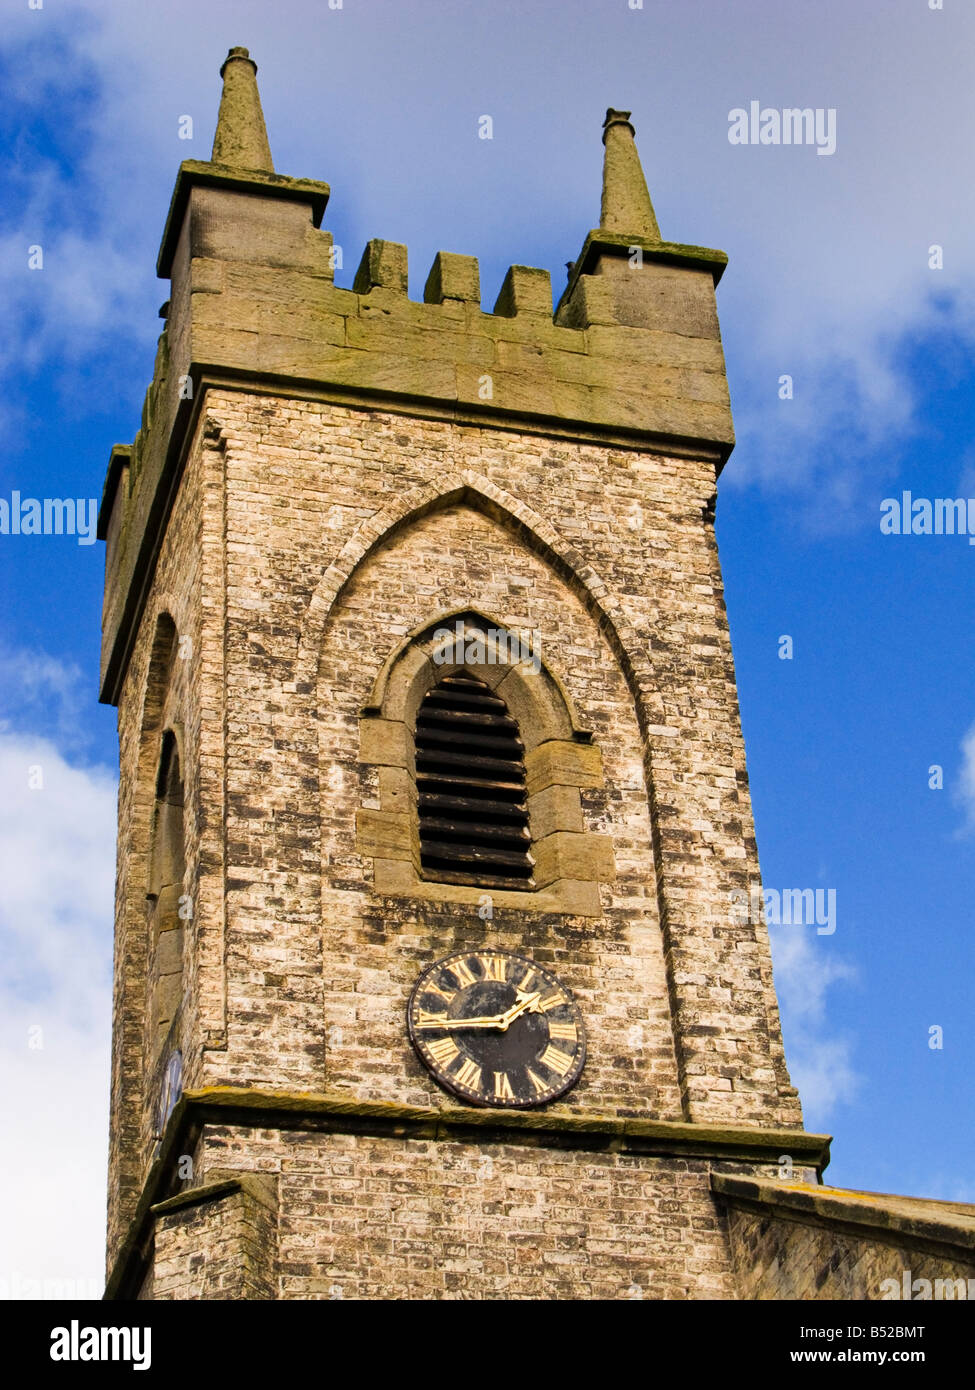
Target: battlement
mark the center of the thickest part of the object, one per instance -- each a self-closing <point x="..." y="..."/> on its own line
<point x="631" y="356"/>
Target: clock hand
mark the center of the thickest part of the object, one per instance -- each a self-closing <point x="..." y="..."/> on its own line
<point x="496" y="1022"/>
<point x="527" y="1003"/>
<point x="524" y="1003"/>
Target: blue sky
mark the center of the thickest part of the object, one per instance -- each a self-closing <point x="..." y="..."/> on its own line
<point x="829" y="282"/>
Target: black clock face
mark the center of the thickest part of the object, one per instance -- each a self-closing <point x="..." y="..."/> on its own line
<point x="496" y="1029"/>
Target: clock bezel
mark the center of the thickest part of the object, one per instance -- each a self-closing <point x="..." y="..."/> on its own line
<point x="467" y="1094"/>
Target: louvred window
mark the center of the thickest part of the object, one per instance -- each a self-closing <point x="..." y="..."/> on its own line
<point x="470" y="777"/>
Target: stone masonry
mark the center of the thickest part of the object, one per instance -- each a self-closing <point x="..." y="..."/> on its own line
<point x="322" y="477"/>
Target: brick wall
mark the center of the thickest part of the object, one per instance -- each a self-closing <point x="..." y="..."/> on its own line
<point x="304" y="480"/>
<point x="307" y="541"/>
<point x="367" y="1217"/>
<point x="218" y="1244"/>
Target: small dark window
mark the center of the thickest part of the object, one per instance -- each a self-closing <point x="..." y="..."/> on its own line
<point x="167" y="869"/>
<point x="470" y="777"/>
<point x="167" y="865"/>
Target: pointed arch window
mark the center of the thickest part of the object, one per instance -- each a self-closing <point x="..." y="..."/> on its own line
<point x="166" y="872"/>
<point x="472" y="794"/>
<point x="168" y="855"/>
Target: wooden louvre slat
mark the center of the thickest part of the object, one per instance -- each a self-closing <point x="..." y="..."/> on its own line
<point x="472" y="799"/>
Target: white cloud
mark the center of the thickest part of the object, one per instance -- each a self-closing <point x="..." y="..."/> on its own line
<point x="43" y="694"/>
<point x="966" y="780"/>
<point x="820" y="1062"/>
<point x="829" y="272"/>
<point x="56" y="911"/>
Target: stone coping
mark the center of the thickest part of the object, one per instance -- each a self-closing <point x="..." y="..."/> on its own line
<point x="194" y="1196"/>
<point x="199" y="173"/>
<point x="330" y="1112"/>
<point x="918" y="1221"/>
<point x="599" y="241"/>
<point x="120" y="457"/>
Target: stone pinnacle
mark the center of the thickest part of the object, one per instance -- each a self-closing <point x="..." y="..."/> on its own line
<point x="626" y="207"/>
<point x="241" y="137"/>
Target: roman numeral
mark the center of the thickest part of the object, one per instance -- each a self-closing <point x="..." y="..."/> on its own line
<point x="469" y="1075"/>
<point x="494" y="967"/>
<point x="431" y="988"/>
<point x="425" y="1020"/>
<point x="502" y="1086"/>
<point x="563" y="1031"/>
<point x="551" y="1002"/>
<point x="443" y="1051"/>
<point x="554" y="1059"/>
<point x="540" y="1086"/>
<point x="527" y="981"/>
<point x="464" y="976"/>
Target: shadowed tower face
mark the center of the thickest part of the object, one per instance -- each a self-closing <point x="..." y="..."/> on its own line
<point x="434" y="812"/>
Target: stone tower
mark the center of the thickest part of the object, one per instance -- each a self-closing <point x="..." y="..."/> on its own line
<point x="329" y="484"/>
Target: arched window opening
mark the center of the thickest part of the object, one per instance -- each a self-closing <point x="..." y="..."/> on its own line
<point x="471" y="788"/>
<point x="168" y="861"/>
<point x="166" y="873"/>
<point x="481" y="768"/>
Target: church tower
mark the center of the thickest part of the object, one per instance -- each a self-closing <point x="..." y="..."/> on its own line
<point x="432" y="977"/>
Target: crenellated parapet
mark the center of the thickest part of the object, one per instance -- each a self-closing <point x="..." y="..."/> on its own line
<point x="632" y="355"/>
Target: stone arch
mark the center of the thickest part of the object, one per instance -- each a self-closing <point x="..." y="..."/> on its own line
<point x="543" y="708"/>
<point x="167" y="869"/>
<point x="373" y="899"/>
<point x="560" y="761"/>
<point x="167" y="847"/>
<point x="478" y="492"/>
<point x="468" y="486"/>
<point x="158" y="674"/>
<point x="159" y="846"/>
<point x="132" y="1057"/>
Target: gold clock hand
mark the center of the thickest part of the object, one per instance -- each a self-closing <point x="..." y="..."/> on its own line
<point x="496" y="1022"/>
<point x="524" y="1003"/>
<point x="528" y="1003"/>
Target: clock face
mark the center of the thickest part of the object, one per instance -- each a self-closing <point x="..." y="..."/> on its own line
<point x="496" y="1029"/>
